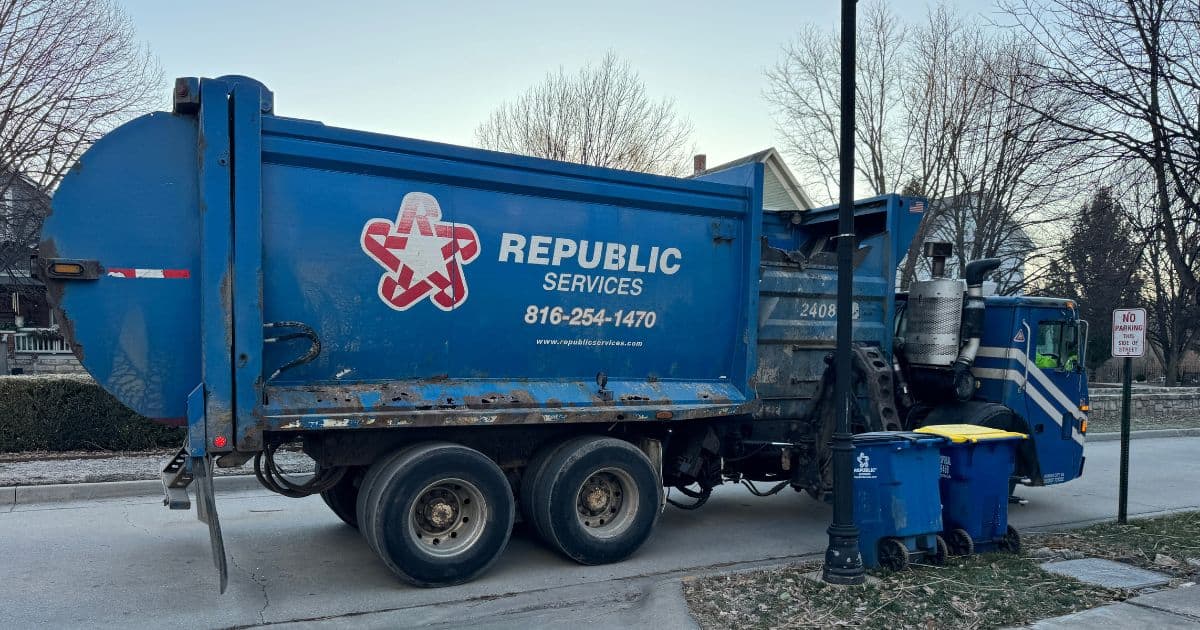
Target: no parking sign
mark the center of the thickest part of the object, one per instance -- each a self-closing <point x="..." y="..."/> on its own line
<point x="1129" y="332"/>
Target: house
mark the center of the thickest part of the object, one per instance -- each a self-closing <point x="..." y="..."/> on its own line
<point x="956" y="224"/>
<point x="29" y="339"/>
<point x="781" y="190"/>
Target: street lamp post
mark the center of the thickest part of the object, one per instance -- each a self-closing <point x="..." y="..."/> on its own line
<point x="843" y="561"/>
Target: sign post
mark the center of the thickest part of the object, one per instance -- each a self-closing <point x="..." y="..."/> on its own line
<point x="1128" y="341"/>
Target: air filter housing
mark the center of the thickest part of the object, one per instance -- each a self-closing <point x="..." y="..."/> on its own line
<point x="934" y="315"/>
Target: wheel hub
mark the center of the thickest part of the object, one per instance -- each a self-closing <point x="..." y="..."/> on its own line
<point x="597" y="499"/>
<point x="441" y="514"/>
<point x="448" y="516"/>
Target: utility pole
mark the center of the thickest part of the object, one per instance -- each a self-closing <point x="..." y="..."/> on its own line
<point x="843" y="561"/>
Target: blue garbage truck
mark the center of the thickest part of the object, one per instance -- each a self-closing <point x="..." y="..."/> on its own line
<point x="461" y="338"/>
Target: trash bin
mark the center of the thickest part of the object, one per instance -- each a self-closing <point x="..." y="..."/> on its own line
<point x="976" y="465"/>
<point x="896" y="503"/>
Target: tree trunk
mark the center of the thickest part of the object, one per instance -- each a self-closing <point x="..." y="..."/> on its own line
<point x="1171" y="374"/>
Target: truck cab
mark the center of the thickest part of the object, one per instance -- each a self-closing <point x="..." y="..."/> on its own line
<point x="1028" y="377"/>
<point x="1031" y="361"/>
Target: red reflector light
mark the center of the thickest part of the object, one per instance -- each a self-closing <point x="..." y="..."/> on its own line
<point x="220" y="441"/>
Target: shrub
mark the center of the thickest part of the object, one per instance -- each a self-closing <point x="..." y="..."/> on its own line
<point x="68" y="413"/>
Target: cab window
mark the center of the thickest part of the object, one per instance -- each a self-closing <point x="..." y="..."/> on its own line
<point x="1057" y="346"/>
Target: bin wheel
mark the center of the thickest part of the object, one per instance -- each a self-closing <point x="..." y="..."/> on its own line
<point x="893" y="554"/>
<point x="940" y="551"/>
<point x="1011" y="541"/>
<point x="961" y="543"/>
<point x="596" y="499"/>
<point x="342" y="498"/>
<point x="438" y="514"/>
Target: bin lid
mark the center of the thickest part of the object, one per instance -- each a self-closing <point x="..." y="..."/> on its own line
<point x="959" y="433"/>
<point x="882" y="437"/>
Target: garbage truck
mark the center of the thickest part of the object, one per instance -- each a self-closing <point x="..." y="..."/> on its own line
<point x="461" y="338"/>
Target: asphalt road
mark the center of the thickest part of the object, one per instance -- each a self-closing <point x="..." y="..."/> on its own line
<point x="131" y="563"/>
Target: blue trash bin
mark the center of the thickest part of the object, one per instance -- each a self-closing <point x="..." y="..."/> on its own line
<point x="897" y="506"/>
<point x="977" y="463"/>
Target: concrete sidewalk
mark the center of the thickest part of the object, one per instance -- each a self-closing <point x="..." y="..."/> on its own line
<point x="1175" y="608"/>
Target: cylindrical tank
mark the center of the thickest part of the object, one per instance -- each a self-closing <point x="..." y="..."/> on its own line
<point x="934" y="315"/>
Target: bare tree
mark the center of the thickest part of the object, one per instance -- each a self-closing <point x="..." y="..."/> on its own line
<point x="1098" y="264"/>
<point x="1132" y="70"/>
<point x="1174" y="320"/>
<point x="70" y="70"/>
<point x="803" y="87"/>
<point x="937" y="115"/>
<point x="600" y="116"/>
<point x="1013" y="170"/>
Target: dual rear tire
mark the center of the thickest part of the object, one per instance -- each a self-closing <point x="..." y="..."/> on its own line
<point x="342" y="499"/>
<point x="440" y="514"/>
<point x="593" y="499"/>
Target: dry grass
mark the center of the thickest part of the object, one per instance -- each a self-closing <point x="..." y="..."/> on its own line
<point x="985" y="591"/>
<point x="1163" y="544"/>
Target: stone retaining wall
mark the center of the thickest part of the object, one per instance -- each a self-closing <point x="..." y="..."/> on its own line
<point x="1159" y="403"/>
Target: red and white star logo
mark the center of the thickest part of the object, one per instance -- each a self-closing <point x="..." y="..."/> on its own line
<point x="422" y="254"/>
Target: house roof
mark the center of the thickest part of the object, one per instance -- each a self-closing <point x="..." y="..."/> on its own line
<point x="18" y="176"/>
<point x="789" y="195"/>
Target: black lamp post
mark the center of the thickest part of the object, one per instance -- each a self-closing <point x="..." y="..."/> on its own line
<point x="843" y="561"/>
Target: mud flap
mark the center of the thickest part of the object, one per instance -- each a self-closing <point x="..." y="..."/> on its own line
<point x="206" y="512"/>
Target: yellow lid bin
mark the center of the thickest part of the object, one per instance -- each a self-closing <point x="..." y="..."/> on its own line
<point x="959" y="433"/>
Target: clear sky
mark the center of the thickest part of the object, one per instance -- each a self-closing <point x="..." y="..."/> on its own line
<point x="435" y="70"/>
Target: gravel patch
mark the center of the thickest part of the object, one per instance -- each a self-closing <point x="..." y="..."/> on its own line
<point x="31" y="469"/>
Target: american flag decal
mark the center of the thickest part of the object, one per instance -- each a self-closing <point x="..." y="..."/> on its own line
<point x="158" y="274"/>
<point x="917" y="206"/>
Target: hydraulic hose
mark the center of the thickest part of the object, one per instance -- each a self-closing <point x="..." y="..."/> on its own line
<point x="271" y="477"/>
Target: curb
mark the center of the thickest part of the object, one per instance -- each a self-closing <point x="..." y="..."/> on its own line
<point x="1144" y="434"/>
<point x="58" y="493"/>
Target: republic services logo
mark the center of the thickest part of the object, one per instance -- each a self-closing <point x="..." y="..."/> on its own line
<point x="422" y="255"/>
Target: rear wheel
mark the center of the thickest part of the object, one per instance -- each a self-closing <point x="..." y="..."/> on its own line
<point x="367" y="496"/>
<point x="595" y="499"/>
<point x="438" y="514"/>
<point x="342" y="498"/>
<point x="529" y="481"/>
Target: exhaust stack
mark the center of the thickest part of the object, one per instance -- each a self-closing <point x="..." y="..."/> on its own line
<point x="972" y="326"/>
